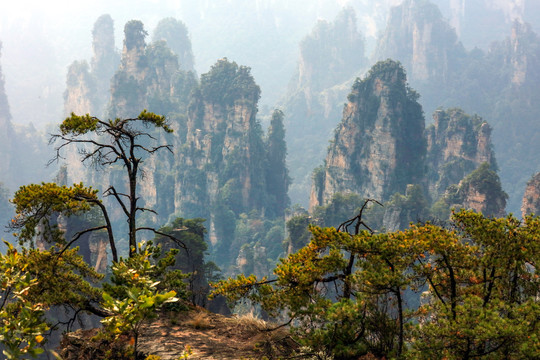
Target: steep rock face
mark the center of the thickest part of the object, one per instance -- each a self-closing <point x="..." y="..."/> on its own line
<point x="149" y="77"/>
<point x="456" y="145"/>
<point x="223" y="142"/>
<point x="128" y="93"/>
<point x="331" y="56"/>
<point x="227" y="172"/>
<point x="379" y="147"/>
<point x="175" y="34"/>
<point x="480" y="191"/>
<point x="417" y="36"/>
<point x="531" y="198"/>
<point x="80" y="91"/>
<point x="105" y="61"/>
<point x="521" y="58"/>
<point x="515" y="104"/>
<point x="88" y="87"/>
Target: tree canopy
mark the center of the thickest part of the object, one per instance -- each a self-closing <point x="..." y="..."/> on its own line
<point x="105" y="143"/>
<point x="470" y="291"/>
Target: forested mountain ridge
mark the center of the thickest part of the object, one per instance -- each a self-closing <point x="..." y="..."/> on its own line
<point x="221" y="194"/>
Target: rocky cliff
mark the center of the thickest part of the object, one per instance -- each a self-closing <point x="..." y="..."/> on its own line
<point x="381" y="151"/>
<point x="379" y="147"/>
<point x="419" y="37"/>
<point x="457" y="144"/>
<point x="104" y="61"/>
<point x="227" y="172"/>
<point x="514" y="104"/>
<point x="521" y="58"/>
<point x="331" y="56"/>
<point x="480" y="191"/>
<point x="175" y="34"/>
<point x="220" y="165"/>
<point x="88" y="87"/>
<point x="531" y="198"/>
<point x="23" y="149"/>
<point x="500" y="84"/>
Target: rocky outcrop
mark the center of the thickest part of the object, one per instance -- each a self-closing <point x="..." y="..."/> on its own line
<point x="149" y="77"/>
<point x="457" y="144"/>
<point x="175" y="34"/>
<point x="331" y="56"/>
<point x="223" y="168"/>
<point x="531" y="198"/>
<point x="105" y="61"/>
<point x="223" y="142"/>
<point x="522" y="59"/>
<point x="419" y="37"/>
<point x="379" y="146"/>
<point x="207" y="335"/>
<point x="80" y="91"/>
<point x="88" y="87"/>
<point x="480" y="191"/>
<point x="128" y="91"/>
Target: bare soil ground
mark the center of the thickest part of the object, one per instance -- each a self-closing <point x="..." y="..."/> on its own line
<point x="208" y="335"/>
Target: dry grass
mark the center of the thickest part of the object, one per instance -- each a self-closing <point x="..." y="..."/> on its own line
<point x="250" y="322"/>
<point x="200" y="321"/>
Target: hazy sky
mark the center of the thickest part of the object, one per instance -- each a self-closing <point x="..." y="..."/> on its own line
<point x="41" y="38"/>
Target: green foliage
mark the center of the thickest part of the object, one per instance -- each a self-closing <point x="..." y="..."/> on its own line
<point x="36" y="204"/>
<point x="135" y="297"/>
<point x="258" y="241"/>
<point x="339" y="208"/>
<point x="78" y="125"/>
<point x="345" y="294"/>
<point x="297" y="228"/>
<point x="226" y="82"/>
<point x="22" y="321"/>
<point x="134" y="34"/>
<point x="33" y="281"/>
<point x="189" y="249"/>
<point x="63" y="278"/>
<point x="158" y="121"/>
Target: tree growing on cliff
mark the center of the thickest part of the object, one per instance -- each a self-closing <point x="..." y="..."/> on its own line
<point x="101" y="143"/>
